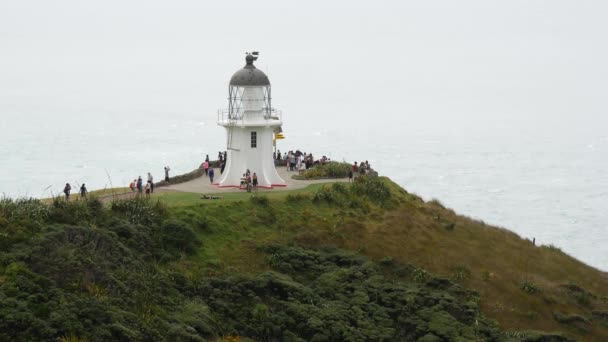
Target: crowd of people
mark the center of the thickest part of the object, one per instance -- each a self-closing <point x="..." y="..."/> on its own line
<point x="293" y="160"/>
<point x="297" y="160"/>
<point x="137" y="185"/>
<point x="249" y="181"/>
<point x="359" y="169"/>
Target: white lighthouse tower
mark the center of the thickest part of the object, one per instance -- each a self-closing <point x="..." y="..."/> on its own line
<point x="250" y="123"/>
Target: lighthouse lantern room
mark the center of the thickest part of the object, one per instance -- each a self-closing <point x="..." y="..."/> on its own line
<point x="250" y="123"/>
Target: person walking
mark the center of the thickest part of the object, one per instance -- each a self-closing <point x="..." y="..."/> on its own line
<point x="211" y="174"/>
<point x="151" y="182"/>
<point x="83" y="191"/>
<point x="206" y="167"/>
<point x="66" y="191"/>
<point x="167" y="169"/>
<point x="140" y="185"/>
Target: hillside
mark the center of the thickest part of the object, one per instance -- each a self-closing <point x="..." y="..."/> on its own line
<point x="367" y="261"/>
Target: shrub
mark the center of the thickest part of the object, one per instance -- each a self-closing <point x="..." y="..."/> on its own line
<point x="24" y="209"/>
<point x="140" y="210"/>
<point x="176" y="237"/>
<point x="529" y="286"/>
<point x="73" y="212"/>
<point x="328" y="170"/>
<point x="372" y="187"/>
<point x="260" y="200"/>
<point x="298" y="197"/>
<point x="461" y="272"/>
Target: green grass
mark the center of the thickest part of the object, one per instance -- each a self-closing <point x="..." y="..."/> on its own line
<point x="177" y="199"/>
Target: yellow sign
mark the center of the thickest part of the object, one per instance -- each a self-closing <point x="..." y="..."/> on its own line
<point x="279" y="136"/>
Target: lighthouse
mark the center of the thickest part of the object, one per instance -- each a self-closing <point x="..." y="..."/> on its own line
<point x="250" y="123"/>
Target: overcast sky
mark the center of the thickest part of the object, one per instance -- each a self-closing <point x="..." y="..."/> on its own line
<point x="403" y="60"/>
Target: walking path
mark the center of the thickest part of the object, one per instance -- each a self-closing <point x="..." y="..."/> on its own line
<point x="203" y="186"/>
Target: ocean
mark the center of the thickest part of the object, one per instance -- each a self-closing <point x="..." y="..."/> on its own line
<point x="498" y="110"/>
<point x="540" y="179"/>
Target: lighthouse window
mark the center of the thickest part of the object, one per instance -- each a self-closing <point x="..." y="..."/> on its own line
<point x="254" y="139"/>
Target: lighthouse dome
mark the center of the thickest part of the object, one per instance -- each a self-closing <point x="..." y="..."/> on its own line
<point x="249" y="75"/>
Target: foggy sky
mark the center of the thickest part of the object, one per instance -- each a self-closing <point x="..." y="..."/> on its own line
<point x="405" y="62"/>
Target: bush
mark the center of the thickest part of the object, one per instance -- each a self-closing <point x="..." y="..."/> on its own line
<point x="73" y="212"/>
<point x="328" y="170"/>
<point x="260" y="200"/>
<point x="176" y="237"/>
<point x="530" y="287"/>
<point x="24" y="209"/>
<point x="372" y="187"/>
<point x="297" y="197"/>
<point x="140" y="210"/>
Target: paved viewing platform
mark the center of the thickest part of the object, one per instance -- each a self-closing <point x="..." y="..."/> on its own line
<point x="202" y="184"/>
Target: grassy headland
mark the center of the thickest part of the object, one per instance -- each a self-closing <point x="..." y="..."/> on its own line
<point x="363" y="261"/>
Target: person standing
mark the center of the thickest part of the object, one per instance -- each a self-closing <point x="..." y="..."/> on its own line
<point x="83" y="191"/>
<point x="206" y="167"/>
<point x="148" y="190"/>
<point x="222" y="168"/>
<point x="211" y="174"/>
<point x="207" y="158"/>
<point x="220" y="156"/>
<point x="151" y="182"/>
<point x="140" y="185"/>
<point x="167" y="169"/>
<point x="66" y="191"/>
<point x="350" y="176"/>
<point x="255" y="181"/>
<point x="132" y="185"/>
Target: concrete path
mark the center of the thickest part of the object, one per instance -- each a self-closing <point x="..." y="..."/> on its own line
<point x="203" y="186"/>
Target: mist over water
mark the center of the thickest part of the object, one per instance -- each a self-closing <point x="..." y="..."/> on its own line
<point x="498" y="111"/>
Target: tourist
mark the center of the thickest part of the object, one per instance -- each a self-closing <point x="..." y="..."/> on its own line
<point x="355" y="168"/>
<point x="225" y="156"/>
<point x="248" y="182"/>
<point x="206" y="167"/>
<point x="220" y="156"/>
<point x="167" y="169"/>
<point x="292" y="162"/>
<point x="279" y="154"/>
<point x="255" y="181"/>
<point x="132" y="185"/>
<point x="151" y="182"/>
<point x="287" y="162"/>
<point x="148" y="189"/>
<point x="350" y="176"/>
<point x="222" y="168"/>
<point x="211" y="174"/>
<point x="207" y="158"/>
<point x="140" y="185"/>
<point x="83" y="191"/>
<point x="66" y="191"/>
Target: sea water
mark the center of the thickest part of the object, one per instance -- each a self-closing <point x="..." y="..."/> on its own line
<point x="546" y="180"/>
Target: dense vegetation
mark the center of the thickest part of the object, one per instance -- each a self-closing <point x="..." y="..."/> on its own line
<point x="327" y="170"/>
<point x="337" y="263"/>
